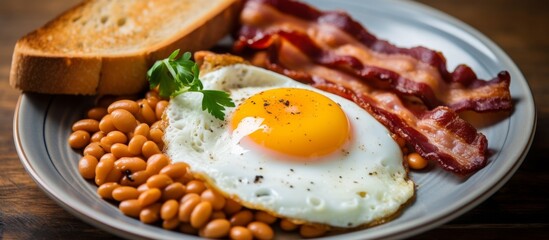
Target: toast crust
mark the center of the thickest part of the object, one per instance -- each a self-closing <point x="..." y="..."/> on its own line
<point x="43" y="69"/>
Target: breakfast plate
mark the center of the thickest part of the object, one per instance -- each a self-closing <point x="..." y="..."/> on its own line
<point x="42" y="124"/>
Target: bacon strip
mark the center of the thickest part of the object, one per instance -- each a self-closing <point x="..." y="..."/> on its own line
<point x="437" y="135"/>
<point x="335" y="40"/>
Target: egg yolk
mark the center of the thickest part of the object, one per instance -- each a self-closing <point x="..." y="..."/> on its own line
<point x="297" y="122"/>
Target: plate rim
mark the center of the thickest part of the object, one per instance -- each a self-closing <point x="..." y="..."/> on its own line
<point x="432" y="223"/>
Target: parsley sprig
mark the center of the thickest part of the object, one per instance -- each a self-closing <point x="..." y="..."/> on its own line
<point x="175" y="76"/>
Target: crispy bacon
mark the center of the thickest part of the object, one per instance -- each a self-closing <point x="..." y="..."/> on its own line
<point x="333" y="52"/>
<point x="438" y="135"/>
<point x="335" y="40"/>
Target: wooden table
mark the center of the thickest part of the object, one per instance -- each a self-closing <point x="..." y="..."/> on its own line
<point x="519" y="210"/>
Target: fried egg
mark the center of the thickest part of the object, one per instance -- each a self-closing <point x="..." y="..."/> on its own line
<point x="290" y="149"/>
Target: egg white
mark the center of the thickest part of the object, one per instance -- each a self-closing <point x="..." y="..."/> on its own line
<point x="363" y="183"/>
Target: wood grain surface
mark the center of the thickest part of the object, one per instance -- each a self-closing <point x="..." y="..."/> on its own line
<point x="519" y="210"/>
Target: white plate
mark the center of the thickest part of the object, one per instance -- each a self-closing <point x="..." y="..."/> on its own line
<point x="42" y="125"/>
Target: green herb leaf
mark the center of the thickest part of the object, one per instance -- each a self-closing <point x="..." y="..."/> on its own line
<point x="215" y="102"/>
<point x="175" y="76"/>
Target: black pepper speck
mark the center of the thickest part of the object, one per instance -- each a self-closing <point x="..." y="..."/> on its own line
<point x="258" y="178"/>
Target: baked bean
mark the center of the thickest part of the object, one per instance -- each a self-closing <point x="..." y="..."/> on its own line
<point x="132" y="164"/>
<point x="170" y="224"/>
<point x="156" y="135"/>
<point x="231" y="207"/>
<point x="261" y="230"/>
<point x="186" y="178"/>
<point x="112" y="138"/>
<point x="125" y="193"/>
<point x="242" y="218"/>
<point x="156" y="162"/>
<point x="157" y="125"/>
<point x="114" y="176"/>
<point x="103" y="168"/>
<point x="88" y="125"/>
<point x="86" y="166"/>
<point x="96" y="137"/>
<point x="106" y="144"/>
<point x="160" y="108"/>
<point x="201" y="214"/>
<point x="79" y="139"/>
<point x="117" y="137"/>
<point x="130" y="207"/>
<point x="217" y="228"/>
<point x="97" y="113"/>
<point x="109" y="156"/>
<point x="149" y="197"/>
<point x="188" y="203"/>
<point x="136" y="143"/>
<point x="143" y="187"/>
<point x="218" y="215"/>
<point x="106" y="125"/>
<point x="175" y="170"/>
<point x="146" y="112"/>
<point x="150" y="148"/>
<point x="189" y="196"/>
<point x="152" y="93"/>
<point x="311" y="231"/>
<point x="135" y="179"/>
<point x="240" y="233"/>
<point x="105" y="190"/>
<point x="216" y="199"/>
<point x="159" y="181"/>
<point x="123" y="120"/>
<point x="152" y="101"/>
<point x="169" y="209"/>
<point x="175" y="190"/>
<point x="416" y="161"/>
<point x="120" y="150"/>
<point x="139" y="116"/>
<point x="150" y="214"/>
<point x="94" y="149"/>
<point x="128" y="105"/>
<point x="264" y="217"/>
<point x="142" y="129"/>
<point x="287" y="225"/>
<point x="187" y="228"/>
<point x="196" y="186"/>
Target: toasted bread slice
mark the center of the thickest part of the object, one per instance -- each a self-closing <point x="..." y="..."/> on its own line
<point x="107" y="46"/>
